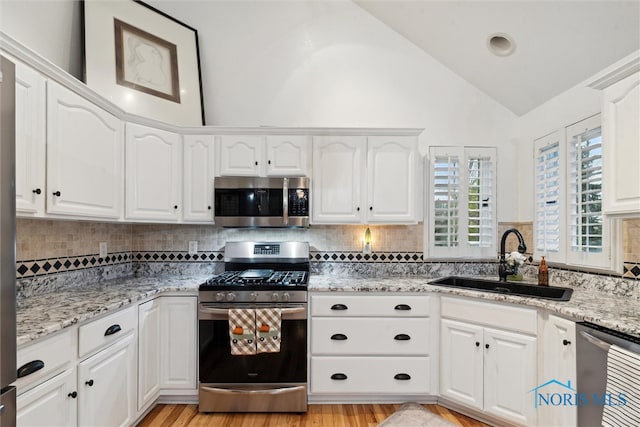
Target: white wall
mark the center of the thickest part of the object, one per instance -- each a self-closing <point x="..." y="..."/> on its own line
<point x="308" y="63"/>
<point x="51" y="28"/>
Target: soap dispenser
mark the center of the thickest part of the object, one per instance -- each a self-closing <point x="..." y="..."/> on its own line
<point x="543" y="273"/>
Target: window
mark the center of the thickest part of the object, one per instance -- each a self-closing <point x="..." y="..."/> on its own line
<point x="569" y="225"/>
<point x="462" y="221"/>
<point x="549" y="193"/>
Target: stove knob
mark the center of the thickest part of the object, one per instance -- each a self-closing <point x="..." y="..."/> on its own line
<point x="286" y="296"/>
<point x="274" y="297"/>
<point x="231" y="296"/>
<point x="253" y="296"/>
<point x="219" y="296"/>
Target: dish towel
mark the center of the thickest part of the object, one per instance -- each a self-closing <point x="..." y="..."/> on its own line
<point x="268" y="323"/>
<point x="242" y="335"/>
<point x="623" y="387"/>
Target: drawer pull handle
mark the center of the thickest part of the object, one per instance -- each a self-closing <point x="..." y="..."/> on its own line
<point x="339" y="377"/>
<point x="402" y="377"/>
<point x="339" y="337"/>
<point x="566" y="342"/>
<point x="73" y="394"/>
<point x="30" y="368"/>
<point x="89" y="383"/>
<point x="402" y="307"/>
<point x="112" y="330"/>
<point x="338" y="307"/>
<point x="402" y="337"/>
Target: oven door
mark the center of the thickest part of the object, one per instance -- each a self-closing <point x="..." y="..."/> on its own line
<point x="217" y="364"/>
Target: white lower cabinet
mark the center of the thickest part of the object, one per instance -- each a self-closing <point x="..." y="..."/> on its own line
<point x="178" y="342"/>
<point x="52" y="403"/>
<point x="149" y="334"/>
<point x="107" y="384"/>
<point x="488" y="358"/>
<point x="559" y="364"/>
<point x="372" y="345"/>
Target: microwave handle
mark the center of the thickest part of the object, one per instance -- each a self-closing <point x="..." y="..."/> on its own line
<point x="285" y="201"/>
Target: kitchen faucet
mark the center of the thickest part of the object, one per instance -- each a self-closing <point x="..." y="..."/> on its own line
<point x="503" y="269"/>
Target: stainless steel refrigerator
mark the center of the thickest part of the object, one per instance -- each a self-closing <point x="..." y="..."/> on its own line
<point x="7" y="245"/>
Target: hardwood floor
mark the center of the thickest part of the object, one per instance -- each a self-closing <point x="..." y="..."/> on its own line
<point x="317" y="416"/>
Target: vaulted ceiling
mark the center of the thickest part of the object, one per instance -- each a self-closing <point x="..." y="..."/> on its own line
<point x="558" y="44"/>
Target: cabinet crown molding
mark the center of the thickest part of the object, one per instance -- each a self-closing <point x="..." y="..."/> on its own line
<point x="624" y="68"/>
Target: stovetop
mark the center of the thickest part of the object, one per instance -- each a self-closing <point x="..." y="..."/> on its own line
<point x="257" y="279"/>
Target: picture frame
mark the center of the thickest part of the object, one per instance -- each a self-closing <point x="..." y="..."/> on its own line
<point x="143" y="60"/>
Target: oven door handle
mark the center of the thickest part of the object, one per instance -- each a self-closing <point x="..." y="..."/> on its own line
<point x="270" y="391"/>
<point x="223" y="313"/>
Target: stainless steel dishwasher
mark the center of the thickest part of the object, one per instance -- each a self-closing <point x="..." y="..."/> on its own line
<point x="592" y="347"/>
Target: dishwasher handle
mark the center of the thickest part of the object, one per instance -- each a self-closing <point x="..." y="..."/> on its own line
<point x="595" y="341"/>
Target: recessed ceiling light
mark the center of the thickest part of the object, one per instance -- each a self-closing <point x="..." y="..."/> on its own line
<point x="501" y="44"/>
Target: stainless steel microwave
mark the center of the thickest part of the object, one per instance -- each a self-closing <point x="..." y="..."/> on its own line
<point x="261" y="202"/>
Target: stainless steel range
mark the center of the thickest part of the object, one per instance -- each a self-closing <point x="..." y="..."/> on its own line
<point x="247" y="363"/>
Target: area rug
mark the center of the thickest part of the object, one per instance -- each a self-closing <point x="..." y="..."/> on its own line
<point x="414" y="415"/>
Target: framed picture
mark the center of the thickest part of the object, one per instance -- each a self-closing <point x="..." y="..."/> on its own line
<point x="143" y="60"/>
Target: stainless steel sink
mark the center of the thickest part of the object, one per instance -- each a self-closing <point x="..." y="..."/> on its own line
<point x="510" y="288"/>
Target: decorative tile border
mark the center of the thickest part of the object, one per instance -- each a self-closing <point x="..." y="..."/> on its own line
<point x="43" y="267"/>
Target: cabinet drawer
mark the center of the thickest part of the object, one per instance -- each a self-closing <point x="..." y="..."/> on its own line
<point x="44" y="359"/>
<point x="370" y="375"/>
<point x="370" y="305"/>
<point x="370" y="336"/>
<point x="106" y="330"/>
<point x="499" y="315"/>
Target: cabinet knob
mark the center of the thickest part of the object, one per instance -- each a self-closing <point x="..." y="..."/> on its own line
<point x="269" y="161"/>
<point x="358" y="208"/>
<point x="73" y="394"/>
<point x="37" y="191"/>
<point x="402" y="377"/>
<point x="477" y="343"/>
<point x="256" y="163"/>
<point x="486" y="346"/>
<point x="566" y="342"/>
<point x="56" y="193"/>
<point x="370" y="208"/>
<point x="209" y="207"/>
<point x="89" y="383"/>
<point x="175" y="206"/>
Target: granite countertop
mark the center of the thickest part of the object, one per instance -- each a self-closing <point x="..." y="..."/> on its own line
<point x="41" y="315"/>
<point x="611" y="311"/>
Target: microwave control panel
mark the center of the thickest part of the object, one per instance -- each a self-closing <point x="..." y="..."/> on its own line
<point x="298" y="202"/>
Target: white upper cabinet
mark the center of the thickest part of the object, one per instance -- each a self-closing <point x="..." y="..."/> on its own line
<point x="256" y="155"/>
<point x="621" y="147"/>
<point x="154" y="174"/>
<point x="198" y="178"/>
<point x="364" y="179"/>
<point x="338" y="167"/>
<point x="84" y="157"/>
<point x="240" y="155"/>
<point x="391" y="179"/>
<point x="30" y="140"/>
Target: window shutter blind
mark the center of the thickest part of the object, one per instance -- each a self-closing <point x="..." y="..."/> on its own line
<point x="548" y="198"/>
<point x="446" y="190"/>
<point x="480" y="229"/>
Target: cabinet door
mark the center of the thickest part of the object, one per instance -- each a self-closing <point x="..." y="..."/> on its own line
<point x="461" y="362"/>
<point x="287" y="155"/>
<point x="154" y="173"/>
<point x="148" y="351"/>
<point x="621" y="147"/>
<point x="241" y="155"/>
<point x="198" y="178"/>
<point x="559" y="363"/>
<point x="179" y="345"/>
<point x="30" y="140"/>
<point x="106" y="386"/>
<point x="509" y="375"/>
<point x="52" y="403"/>
<point x="338" y="167"/>
<point x="391" y="179"/>
<point x="84" y="157"/>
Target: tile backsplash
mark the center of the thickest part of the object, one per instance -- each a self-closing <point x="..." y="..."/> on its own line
<point x="51" y="246"/>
